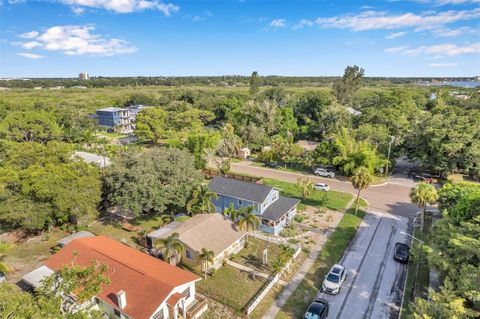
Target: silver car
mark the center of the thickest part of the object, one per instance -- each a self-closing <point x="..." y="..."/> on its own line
<point x="334" y="279"/>
<point x="322" y="187"/>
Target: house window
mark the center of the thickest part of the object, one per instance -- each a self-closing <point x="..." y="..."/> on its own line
<point x="189" y="254"/>
<point x="240" y="202"/>
<point x="158" y="315"/>
<point x="186" y="293"/>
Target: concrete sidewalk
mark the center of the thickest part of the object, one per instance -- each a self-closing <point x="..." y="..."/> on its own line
<point x="297" y="278"/>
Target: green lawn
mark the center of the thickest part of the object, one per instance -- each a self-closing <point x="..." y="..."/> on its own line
<point x="252" y="256"/>
<point x="334" y="200"/>
<point x="330" y="254"/>
<point x="231" y="287"/>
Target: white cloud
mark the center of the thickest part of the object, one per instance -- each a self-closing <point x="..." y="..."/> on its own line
<point x="29" y="35"/>
<point x="396" y="49"/>
<point x="303" y="23"/>
<point x="30" y="55"/>
<point x="78" y="10"/>
<point x="278" y="23"/>
<point x="442" y="65"/>
<point x="446" y="32"/>
<point x="77" y="40"/>
<point x="395" y="35"/>
<point x="446" y="2"/>
<point x="377" y="20"/>
<point x="438" y="50"/>
<point x="125" y="6"/>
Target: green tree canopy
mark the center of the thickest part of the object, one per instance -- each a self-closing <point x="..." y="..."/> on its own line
<point x="152" y="180"/>
<point x="29" y="126"/>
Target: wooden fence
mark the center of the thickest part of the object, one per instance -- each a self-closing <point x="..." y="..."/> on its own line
<point x="210" y="173"/>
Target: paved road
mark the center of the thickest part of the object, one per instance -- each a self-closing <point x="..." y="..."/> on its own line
<point x="392" y="197"/>
<point x="373" y="288"/>
<point x="375" y="282"/>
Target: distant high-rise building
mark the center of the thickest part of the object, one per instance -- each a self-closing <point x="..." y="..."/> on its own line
<point x="84" y="76"/>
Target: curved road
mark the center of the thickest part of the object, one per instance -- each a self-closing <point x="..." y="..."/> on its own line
<point x="374" y="285"/>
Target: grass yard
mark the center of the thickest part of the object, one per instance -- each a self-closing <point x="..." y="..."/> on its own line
<point x="231" y="287"/>
<point x="330" y="254"/>
<point x="25" y="256"/>
<point x="333" y="200"/>
<point x="253" y="255"/>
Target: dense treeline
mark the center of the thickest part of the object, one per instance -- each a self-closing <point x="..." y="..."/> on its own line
<point x="454" y="252"/>
<point x="355" y="125"/>
<point x="226" y="80"/>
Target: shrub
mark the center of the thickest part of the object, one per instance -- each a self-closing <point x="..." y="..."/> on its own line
<point x="299" y="218"/>
<point x="289" y="231"/>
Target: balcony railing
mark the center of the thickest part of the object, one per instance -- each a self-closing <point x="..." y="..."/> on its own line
<point x="200" y="305"/>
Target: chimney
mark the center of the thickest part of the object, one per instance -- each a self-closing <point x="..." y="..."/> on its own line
<point x="122" y="299"/>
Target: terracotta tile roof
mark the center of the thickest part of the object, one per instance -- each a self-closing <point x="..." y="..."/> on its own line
<point x="147" y="281"/>
<point x="172" y="301"/>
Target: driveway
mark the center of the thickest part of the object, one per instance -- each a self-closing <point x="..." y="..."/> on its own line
<point x="392" y="197"/>
<point x="374" y="284"/>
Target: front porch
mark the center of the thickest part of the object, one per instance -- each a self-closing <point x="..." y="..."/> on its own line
<point x="276" y="226"/>
<point x="178" y="309"/>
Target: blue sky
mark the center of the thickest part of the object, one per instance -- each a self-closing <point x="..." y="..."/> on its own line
<point x="60" y="38"/>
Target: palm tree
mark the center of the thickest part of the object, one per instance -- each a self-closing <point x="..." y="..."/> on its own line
<point x="4" y="247"/>
<point x="206" y="257"/>
<point x="170" y="246"/>
<point x="423" y="194"/>
<point x="277" y="267"/>
<point x="231" y="212"/>
<point x="201" y="201"/>
<point x="360" y="181"/>
<point x="306" y="185"/>
<point x="248" y="220"/>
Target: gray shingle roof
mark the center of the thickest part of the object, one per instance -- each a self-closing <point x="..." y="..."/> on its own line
<point x="239" y="189"/>
<point x="279" y="208"/>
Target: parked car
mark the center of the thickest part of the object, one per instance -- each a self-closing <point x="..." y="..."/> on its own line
<point x="3" y="277"/>
<point x="272" y="165"/>
<point x="423" y="177"/>
<point x="323" y="172"/>
<point x="317" y="310"/>
<point x="401" y="252"/>
<point x="322" y="187"/>
<point x="334" y="279"/>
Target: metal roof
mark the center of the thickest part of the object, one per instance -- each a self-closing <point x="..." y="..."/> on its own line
<point x="35" y="277"/>
<point x="240" y="189"/>
<point x="80" y="234"/>
<point x="279" y="208"/>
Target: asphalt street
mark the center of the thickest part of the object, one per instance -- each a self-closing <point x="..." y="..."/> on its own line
<point x="375" y="281"/>
<point x="373" y="288"/>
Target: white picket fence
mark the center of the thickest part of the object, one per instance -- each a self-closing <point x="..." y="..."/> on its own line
<point x="254" y="303"/>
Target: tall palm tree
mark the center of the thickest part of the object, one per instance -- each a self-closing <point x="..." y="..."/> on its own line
<point x="248" y="220"/>
<point x="4" y="247"/>
<point x="231" y="212"/>
<point x="306" y="185"/>
<point x="423" y="194"/>
<point x="201" y="201"/>
<point x="170" y="246"/>
<point x="360" y="181"/>
<point x="206" y="257"/>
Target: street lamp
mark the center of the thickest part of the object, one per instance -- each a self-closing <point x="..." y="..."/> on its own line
<point x="411" y="236"/>
<point x="392" y="139"/>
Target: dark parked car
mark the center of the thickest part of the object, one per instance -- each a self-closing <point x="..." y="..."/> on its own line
<point x="402" y="252"/>
<point x="423" y="177"/>
<point x="317" y="310"/>
<point x="272" y="165"/>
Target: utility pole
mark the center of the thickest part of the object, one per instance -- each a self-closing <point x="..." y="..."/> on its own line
<point x="392" y="139"/>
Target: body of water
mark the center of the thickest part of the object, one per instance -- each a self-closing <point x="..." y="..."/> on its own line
<point x="463" y="84"/>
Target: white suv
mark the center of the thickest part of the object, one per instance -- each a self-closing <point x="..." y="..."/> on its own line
<point x="334" y="279"/>
<point x="323" y="172"/>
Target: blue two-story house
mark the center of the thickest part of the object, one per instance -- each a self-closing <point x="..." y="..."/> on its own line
<point x="116" y="119"/>
<point x="274" y="210"/>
